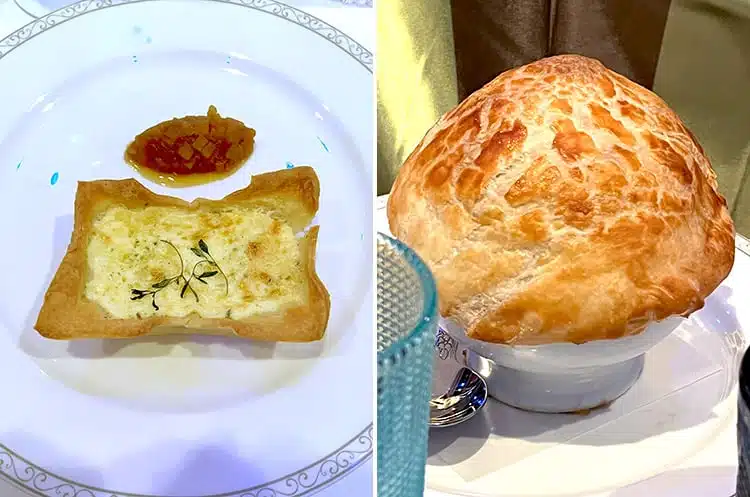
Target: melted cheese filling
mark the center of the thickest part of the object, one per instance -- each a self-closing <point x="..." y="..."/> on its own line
<point x="259" y="255"/>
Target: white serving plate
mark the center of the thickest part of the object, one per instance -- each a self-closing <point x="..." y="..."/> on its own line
<point x="670" y="435"/>
<point x="40" y="8"/>
<point x="182" y="415"/>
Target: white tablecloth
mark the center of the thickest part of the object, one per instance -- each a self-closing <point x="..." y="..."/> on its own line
<point x="359" y="23"/>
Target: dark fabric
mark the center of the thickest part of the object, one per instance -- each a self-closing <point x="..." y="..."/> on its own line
<point x="624" y="34"/>
<point x="492" y="36"/>
<point x="743" y="429"/>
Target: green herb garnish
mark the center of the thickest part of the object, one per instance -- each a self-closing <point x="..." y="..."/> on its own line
<point x="136" y="294"/>
<point x="206" y="258"/>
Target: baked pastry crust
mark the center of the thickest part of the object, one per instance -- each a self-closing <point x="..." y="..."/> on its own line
<point x="563" y="203"/>
<point x="291" y="194"/>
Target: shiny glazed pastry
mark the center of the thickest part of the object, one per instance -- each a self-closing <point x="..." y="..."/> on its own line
<point x="563" y="203"/>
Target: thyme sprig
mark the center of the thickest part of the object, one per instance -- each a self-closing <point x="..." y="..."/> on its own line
<point x="136" y="294"/>
<point x="205" y="259"/>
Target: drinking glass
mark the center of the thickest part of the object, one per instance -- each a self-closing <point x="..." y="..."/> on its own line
<point x="406" y="321"/>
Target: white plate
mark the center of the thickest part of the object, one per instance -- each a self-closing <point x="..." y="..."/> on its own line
<point x="684" y="399"/>
<point x="39" y="8"/>
<point x="182" y="416"/>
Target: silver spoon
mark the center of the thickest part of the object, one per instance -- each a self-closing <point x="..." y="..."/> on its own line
<point x="462" y="401"/>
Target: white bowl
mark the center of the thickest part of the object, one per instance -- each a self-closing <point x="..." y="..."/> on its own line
<point x="560" y="377"/>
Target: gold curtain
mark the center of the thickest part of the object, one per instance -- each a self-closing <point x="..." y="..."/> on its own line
<point x="416" y="77"/>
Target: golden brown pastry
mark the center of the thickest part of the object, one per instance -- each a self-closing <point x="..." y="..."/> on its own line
<point x="563" y="202"/>
<point x="140" y="263"/>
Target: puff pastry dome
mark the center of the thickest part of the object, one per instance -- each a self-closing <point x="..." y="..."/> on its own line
<point x="563" y="202"/>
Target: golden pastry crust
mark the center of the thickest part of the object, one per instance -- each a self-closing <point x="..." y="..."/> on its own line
<point x="291" y="194"/>
<point x="563" y="203"/>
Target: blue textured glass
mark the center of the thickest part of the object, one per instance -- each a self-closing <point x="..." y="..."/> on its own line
<point x="407" y="322"/>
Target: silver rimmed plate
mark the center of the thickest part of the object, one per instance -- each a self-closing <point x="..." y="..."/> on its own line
<point x="39" y="8"/>
<point x="182" y="416"/>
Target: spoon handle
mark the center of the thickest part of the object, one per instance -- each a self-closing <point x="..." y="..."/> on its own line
<point x="467" y="393"/>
